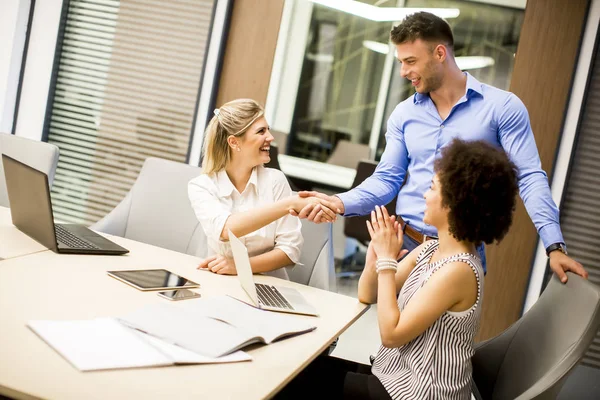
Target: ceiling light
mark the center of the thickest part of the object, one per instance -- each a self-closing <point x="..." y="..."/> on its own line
<point x="376" y="46"/>
<point x="474" y="62"/>
<point x="464" y="63"/>
<point x="383" y="14"/>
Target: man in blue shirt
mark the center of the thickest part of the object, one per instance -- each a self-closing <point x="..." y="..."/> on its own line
<point x="447" y="104"/>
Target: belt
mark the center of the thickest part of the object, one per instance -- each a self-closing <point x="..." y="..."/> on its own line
<point x="413" y="233"/>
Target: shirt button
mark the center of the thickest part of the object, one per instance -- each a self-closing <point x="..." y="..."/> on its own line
<point x="441" y="126"/>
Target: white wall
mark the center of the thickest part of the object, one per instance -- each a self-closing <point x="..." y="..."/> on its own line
<point x="38" y="68"/>
<point x="13" y="29"/>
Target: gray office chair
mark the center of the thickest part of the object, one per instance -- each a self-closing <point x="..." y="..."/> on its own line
<point x="157" y="210"/>
<point x="39" y="155"/>
<point x="348" y="154"/>
<point x="532" y="358"/>
<point x="317" y="269"/>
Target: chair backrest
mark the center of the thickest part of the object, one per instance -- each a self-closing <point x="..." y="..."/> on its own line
<point x="348" y="154"/>
<point x="157" y="209"/>
<point x="39" y="155"/>
<point x="317" y="269"/>
<point x="532" y="358"/>
<point x="355" y="227"/>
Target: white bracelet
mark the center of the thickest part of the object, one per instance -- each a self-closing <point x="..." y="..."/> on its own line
<point x="383" y="264"/>
<point x="387" y="260"/>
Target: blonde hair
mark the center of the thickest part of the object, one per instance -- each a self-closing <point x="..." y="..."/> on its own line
<point x="232" y="119"/>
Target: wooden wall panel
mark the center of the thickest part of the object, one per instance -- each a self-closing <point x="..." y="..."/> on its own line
<point x="250" y="50"/>
<point x="542" y="76"/>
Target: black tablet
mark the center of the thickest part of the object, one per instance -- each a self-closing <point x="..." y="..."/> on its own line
<point x="153" y="279"/>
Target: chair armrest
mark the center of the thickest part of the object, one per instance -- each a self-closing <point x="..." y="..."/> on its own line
<point x="115" y="222"/>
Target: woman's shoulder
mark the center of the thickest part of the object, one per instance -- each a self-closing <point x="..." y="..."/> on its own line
<point x="274" y="175"/>
<point x="203" y="181"/>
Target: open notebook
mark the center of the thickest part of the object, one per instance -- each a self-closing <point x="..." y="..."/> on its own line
<point x="105" y="343"/>
<point x="215" y="326"/>
<point x="209" y="330"/>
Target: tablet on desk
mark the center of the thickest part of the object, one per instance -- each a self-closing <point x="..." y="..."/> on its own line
<point x="153" y="279"/>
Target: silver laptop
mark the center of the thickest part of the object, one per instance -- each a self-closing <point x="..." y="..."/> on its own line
<point x="266" y="297"/>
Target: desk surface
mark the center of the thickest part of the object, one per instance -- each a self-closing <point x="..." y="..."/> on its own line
<point x="316" y="171"/>
<point x="46" y="285"/>
<point x="13" y="242"/>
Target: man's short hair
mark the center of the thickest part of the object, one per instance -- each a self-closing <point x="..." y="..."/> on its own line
<point x="424" y="26"/>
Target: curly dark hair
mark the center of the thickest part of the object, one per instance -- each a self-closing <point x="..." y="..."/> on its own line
<point x="479" y="186"/>
<point x="424" y="26"/>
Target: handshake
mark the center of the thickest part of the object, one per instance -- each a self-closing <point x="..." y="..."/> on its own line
<point x="316" y="207"/>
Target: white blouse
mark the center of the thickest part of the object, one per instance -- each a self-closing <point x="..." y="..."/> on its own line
<point x="214" y="198"/>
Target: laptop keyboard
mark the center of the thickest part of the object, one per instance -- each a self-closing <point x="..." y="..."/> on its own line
<point x="269" y="296"/>
<point x="67" y="238"/>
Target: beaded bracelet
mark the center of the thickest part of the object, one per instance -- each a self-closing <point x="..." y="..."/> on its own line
<point x="383" y="264"/>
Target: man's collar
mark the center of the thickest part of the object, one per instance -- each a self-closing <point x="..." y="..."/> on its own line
<point x="473" y="85"/>
<point x="226" y="186"/>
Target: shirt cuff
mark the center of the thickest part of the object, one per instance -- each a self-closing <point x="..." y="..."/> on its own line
<point x="551" y="234"/>
<point x="352" y="206"/>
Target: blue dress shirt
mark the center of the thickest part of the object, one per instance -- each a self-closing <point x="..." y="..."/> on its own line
<point x="415" y="135"/>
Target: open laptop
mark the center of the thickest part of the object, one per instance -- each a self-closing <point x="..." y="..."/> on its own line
<point x="266" y="297"/>
<point x="31" y="211"/>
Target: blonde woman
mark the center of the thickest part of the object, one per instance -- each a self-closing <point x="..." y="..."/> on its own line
<point x="236" y="192"/>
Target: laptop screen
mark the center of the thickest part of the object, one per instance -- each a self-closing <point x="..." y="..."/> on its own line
<point x="29" y="199"/>
<point x="244" y="269"/>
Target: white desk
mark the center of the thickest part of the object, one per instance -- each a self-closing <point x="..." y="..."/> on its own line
<point x="13" y="242"/>
<point x="316" y="171"/>
<point x="46" y="285"/>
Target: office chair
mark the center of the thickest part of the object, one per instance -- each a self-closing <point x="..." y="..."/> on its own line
<point x="274" y="163"/>
<point x="317" y="269"/>
<point x="533" y="357"/>
<point x="356" y="227"/>
<point x="157" y="209"/>
<point x="348" y="154"/>
<point x="39" y="155"/>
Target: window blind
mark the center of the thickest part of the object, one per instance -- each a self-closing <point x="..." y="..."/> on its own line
<point x="580" y="210"/>
<point x="127" y="81"/>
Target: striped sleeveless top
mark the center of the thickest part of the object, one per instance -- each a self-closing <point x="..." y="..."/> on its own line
<point x="437" y="363"/>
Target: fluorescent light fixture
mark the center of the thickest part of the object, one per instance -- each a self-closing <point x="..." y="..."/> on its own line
<point x="320" y="57"/>
<point x="376" y="46"/>
<point x="474" y="62"/>
<point x="467" y="62"/>
<point x="383" y="14"/>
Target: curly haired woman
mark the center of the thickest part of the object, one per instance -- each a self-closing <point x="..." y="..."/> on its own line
<point x="429" y="303"/>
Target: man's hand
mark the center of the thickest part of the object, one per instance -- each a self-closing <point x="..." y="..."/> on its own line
<point x="219" y="265"/>
<point x="311" y="211"/>
<point x="560" y="263"/>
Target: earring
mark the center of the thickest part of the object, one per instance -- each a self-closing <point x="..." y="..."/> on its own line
<point x="238" y="149"/>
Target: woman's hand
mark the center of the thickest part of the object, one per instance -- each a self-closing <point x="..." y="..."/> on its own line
<point x="386" y="238"/>
<point x="320" y="209"/>
<point x="219" y="265"/>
